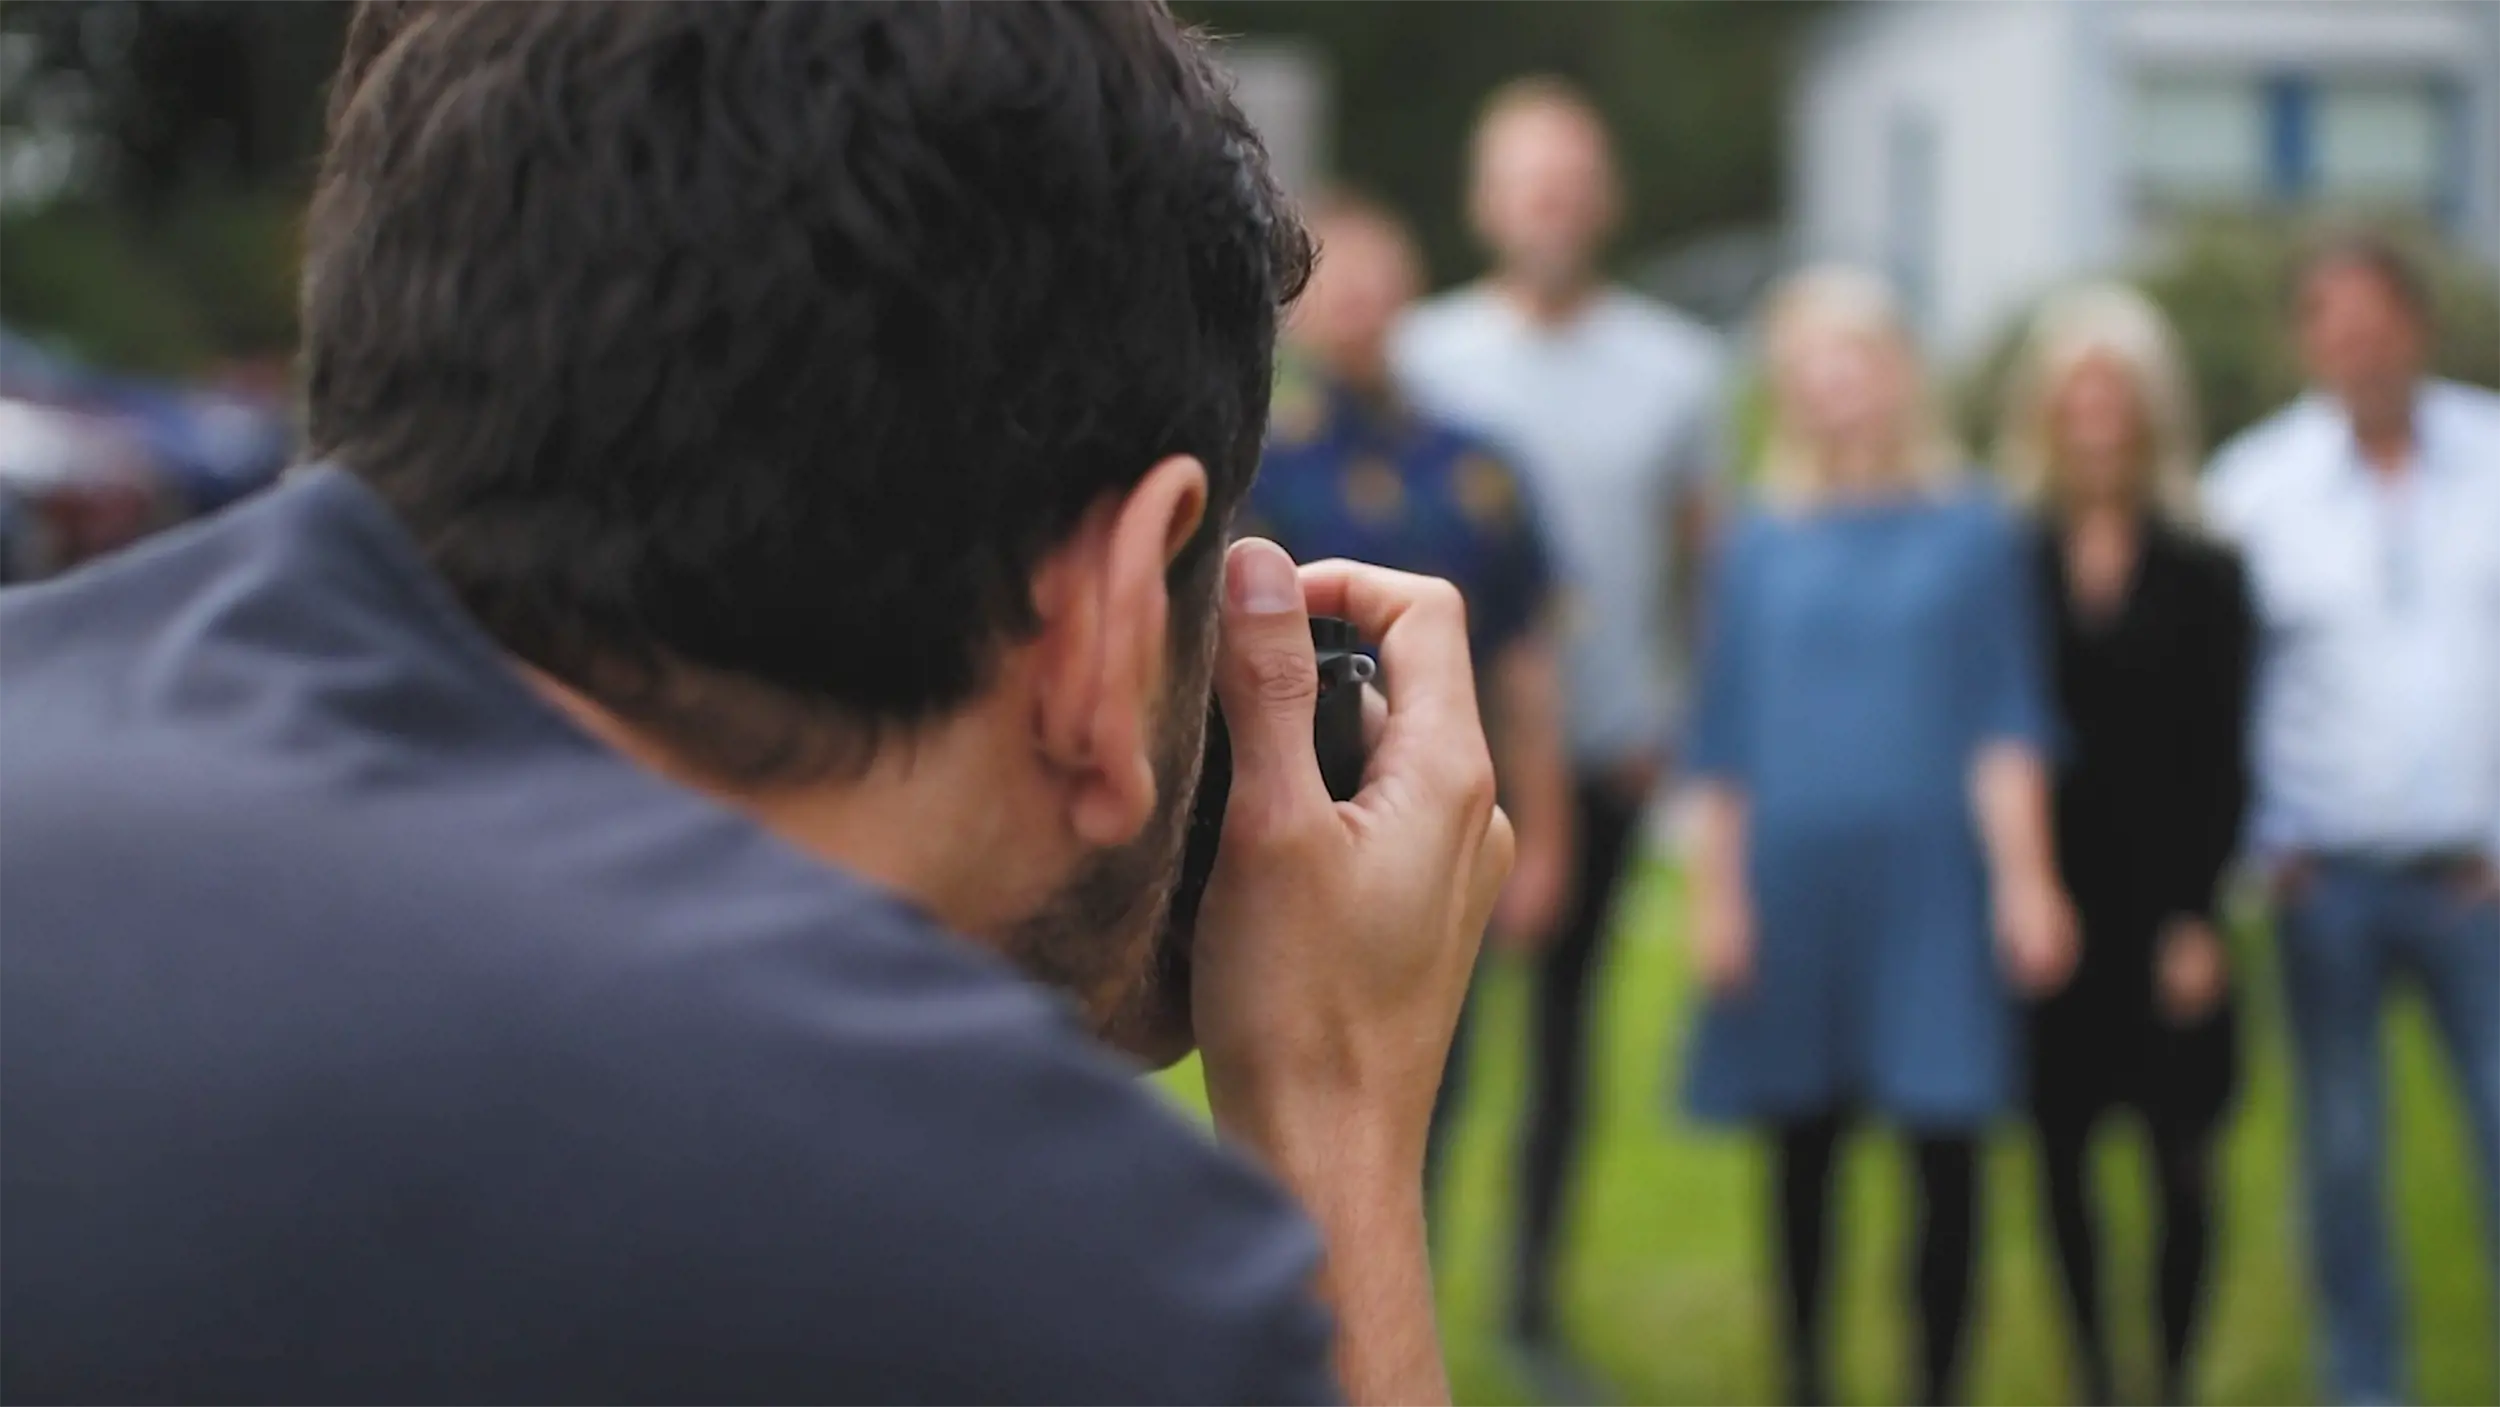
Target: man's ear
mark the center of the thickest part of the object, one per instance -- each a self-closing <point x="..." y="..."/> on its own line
<point x="1100" y="651"/>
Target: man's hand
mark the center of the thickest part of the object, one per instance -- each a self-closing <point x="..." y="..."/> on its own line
<point x="2036" y="933"/>
<point x="1530" y="911"/>
<point x="2191" y="970"/>
<point x="1723" y="940"/>
<point x="2288" y="878"/>
<point x="1634" y="780"/>
<point x="1337" y="937"/>
<point x="1336" y="940"/>
<point x="1535" y="773"/>
<point x="2476" y="882"/>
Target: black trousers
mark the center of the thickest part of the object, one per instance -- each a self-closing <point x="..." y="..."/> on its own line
<point x="1946" y="1165"/>
<point x="2183" y="1172"/>
<point x="1558" y="1078"/>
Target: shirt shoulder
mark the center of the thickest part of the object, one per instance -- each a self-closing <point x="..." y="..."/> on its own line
<point x="1105" y="1248"/>
<point x="1444" y="441"/>
<point x="885" y="1115"/>
<point x="756" y="1132"/>
<point x="2482" y="403"/>
<point x="1463" y="312"/>
<point x="594" y="1066"/>
<point x="2470" y="415"/>
<point x="1975" y="503"/>
<point x="1443" y="339"/>
<point x="1482" y="481"/>
<point x="1671" y="339"/>
<point x="2264" y="463"/>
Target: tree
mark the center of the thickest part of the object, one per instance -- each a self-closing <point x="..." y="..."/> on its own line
<point x="1694" y="90"/>
<point x="193" y="124"/>
<point x="185" y="95"/>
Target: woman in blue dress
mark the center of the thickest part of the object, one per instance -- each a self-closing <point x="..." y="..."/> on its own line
<point x="1874" y="882"/>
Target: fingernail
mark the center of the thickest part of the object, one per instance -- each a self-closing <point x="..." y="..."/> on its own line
<point x="1262" y="578"/>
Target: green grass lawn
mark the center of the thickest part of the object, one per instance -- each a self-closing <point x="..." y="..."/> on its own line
<point x="1665" y="1291"/>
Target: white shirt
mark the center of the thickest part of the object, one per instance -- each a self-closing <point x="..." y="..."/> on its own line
<point x="1610" y="419"/>
<point x="2378" y="600"/>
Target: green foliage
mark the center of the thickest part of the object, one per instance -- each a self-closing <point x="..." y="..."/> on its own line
<point x="212" y="277"/>
<point x="1695" y="92"/>
<point x="208" y="117"/>
<point x="239" y="256"/>
<point x="2223" y="285"/>
<point x="75" y="275"/>
<point x="185" y="96"/>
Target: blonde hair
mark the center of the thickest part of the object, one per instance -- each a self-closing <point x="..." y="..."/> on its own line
<point x="2113" y="321"/>
<point x="1836" y="299"/>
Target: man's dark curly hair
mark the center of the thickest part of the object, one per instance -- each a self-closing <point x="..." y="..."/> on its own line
<point x="737" y="363"/>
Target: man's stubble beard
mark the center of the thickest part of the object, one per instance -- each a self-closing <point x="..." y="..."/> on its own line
<point x="1096" y="938"/>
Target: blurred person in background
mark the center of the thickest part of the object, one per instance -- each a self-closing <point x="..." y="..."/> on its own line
<point x="1352" y="469"/>
<point x="2369" y="514"/>
<point x="1873" y="879"/>
<point x="2151" y="658"/>
<point x="1609" y="404"/>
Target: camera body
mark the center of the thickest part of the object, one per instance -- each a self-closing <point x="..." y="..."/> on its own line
<point x="1336" y="737"/>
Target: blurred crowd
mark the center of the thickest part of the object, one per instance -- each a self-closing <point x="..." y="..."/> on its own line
<point x="91" y="461"/>
<point x="1974" y="745"/>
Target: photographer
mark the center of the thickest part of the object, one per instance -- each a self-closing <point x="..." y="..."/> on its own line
<point x="615" y="884"/>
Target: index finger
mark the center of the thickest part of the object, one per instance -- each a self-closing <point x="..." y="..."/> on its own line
<point x="1419" y="625"/>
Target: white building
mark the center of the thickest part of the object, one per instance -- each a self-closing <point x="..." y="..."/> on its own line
<point x="1980" y="153"/>
<point x="1283" y="89"/>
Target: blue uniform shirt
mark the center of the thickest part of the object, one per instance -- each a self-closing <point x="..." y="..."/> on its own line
<point x="1342" y="478"/>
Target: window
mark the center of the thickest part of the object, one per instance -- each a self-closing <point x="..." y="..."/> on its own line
<point x="2200" y="140"/>
<point x="2380" y="142"/>
<point x="2244" y="140"/>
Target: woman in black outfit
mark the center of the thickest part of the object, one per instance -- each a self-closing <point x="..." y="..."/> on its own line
<point x="2152" y="637"/>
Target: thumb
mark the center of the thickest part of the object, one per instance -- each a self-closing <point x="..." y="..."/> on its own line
<point x="1267" y="679"/>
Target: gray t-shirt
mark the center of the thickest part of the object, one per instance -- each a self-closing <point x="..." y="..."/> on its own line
<point x="1614" y="418"/>
<point x="367" y="1031"/>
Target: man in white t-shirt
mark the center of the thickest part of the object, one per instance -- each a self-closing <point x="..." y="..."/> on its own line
<point x="1609" y="403"/>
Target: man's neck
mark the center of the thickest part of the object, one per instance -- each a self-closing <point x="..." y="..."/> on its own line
<point x="2111" y="518"/>
<point x="2384" y="434"/>
<point x="1548" y="303"/>
<point x="1862" y="469"/>
<point x="2388" y="450"/>
<point x="875" y="827"/>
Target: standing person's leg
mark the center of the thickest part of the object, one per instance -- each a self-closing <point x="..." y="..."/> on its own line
<point x="1606" y="829"/>
<point x="2066" y="1188"/>
<point x="2454" y="942"/>
<point x="2334" y="978"/>
<point x="1802" y="1155"/>
<point x="1948" y="1216"/>
<point x="2183" y="1156"/>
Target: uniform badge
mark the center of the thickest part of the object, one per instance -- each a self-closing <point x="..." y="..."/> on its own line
<point x="1374" y="493"/>
<point x="1487" y="493"/>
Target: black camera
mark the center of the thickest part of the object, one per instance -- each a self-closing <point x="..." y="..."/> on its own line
<point x="1336" y="736"/>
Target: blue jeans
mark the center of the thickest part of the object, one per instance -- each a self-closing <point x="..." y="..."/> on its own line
<point x="2348" y="931"/>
